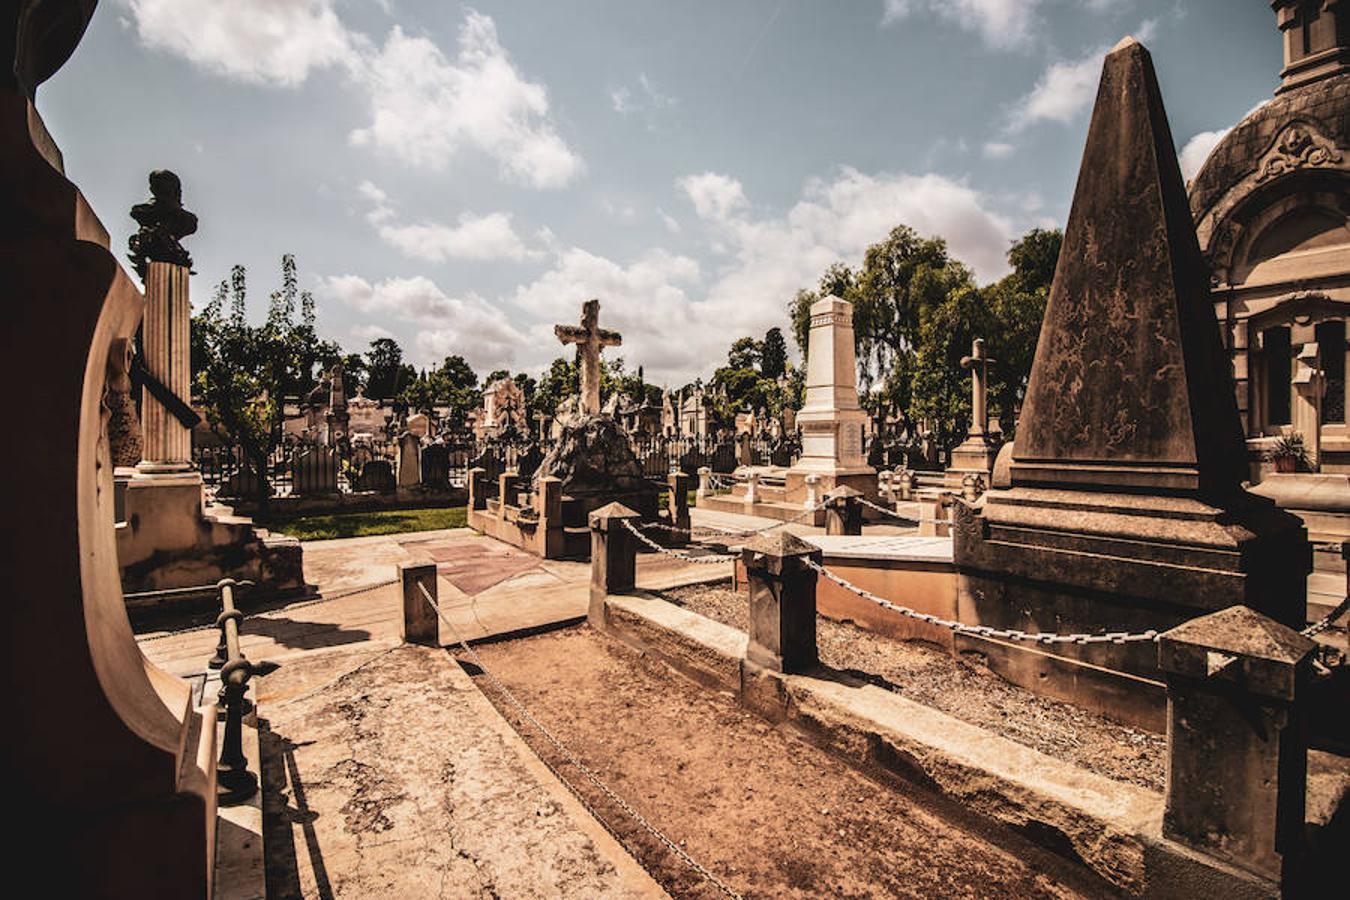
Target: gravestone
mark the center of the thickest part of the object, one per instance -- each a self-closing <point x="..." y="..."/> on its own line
<point x="528" y="460"/>
<point x="409" y="460"/>
<point x="377" y="475"/>
<point x="1126" y="510"/>
<point x="436" y="466"/>
<point x="245" y="483"/>
<point x="314" y="471"/>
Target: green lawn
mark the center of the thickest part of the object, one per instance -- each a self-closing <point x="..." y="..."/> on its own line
<point x="364" y="524"/>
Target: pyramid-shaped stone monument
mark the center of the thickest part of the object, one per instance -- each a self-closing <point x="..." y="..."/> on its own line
<point x="1126" y="510"/>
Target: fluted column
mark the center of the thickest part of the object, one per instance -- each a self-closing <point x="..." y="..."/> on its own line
<point x="165" y="348"/>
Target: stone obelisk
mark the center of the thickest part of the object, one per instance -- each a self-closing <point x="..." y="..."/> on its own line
<point x="831" y="420"/>
<point x="1126" y="511"/>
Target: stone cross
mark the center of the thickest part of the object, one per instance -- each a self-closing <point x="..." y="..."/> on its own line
<point x="591" y="339"/>
<point x="978" y="364"/>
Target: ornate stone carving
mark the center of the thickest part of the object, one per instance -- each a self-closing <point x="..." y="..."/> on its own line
<point x="163" y="223"/>
<point x="123" y="427"/>
<point x="1298" y="146"/>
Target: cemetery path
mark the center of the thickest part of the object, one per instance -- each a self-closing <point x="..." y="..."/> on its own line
<point x="768" y="813"/>
<point x="486" y="588"/>
<point x="397" y="779"/>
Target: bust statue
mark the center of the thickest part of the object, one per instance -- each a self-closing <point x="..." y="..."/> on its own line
<point x="163" y="223"/>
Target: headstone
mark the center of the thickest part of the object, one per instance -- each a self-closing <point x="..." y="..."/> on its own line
<point x="528" y="460"/>
<point x="590" y="339"/>
<point x="409" y="466"/>
<point x="314" y="471"/>
<point x="419" y="424"/>
<point x="245" y="483"/>
<point x="832" y="420"/>
<point x="377" y="475"/>
<point x="436" y="465"/>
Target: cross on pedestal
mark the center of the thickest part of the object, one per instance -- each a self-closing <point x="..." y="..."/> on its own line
<point x="591" y="339"/>
<point x="978" y="364"/>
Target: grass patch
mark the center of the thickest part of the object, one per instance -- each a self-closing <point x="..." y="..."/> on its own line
<point x="366" y="524"/>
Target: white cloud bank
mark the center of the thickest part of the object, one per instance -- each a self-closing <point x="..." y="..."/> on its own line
<point x="1192" y="157"/>
<point x="477" y="238"/>
<point x="425" y="109"/>
<point x="1004" y="24"/>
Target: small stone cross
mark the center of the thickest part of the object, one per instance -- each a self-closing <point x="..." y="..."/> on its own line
<point x="978" y="364"/>
<point x="591" y="339"/>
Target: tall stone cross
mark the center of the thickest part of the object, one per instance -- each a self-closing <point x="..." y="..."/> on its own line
<point x="591" y="339"/>
<point x="978" y="364"/>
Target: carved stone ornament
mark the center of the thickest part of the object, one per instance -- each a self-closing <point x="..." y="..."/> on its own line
<point x="1298" y="146"/>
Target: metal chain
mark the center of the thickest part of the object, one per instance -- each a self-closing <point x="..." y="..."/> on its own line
<point x="212" y="627"/>
<point x="577" y="763"/>
<point x="1039" y="637"/>
<point x="702" y="560"/>
<point x="1324" y="623"/>
<point x="892" y="513"/>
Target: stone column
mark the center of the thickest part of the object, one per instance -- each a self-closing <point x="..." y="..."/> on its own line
<point x="812" y="500"/>
<point x="782" y="602"/>
<point x="843" y="511"/>
<point x="1237" y="752"/>
<point x="420" y="623"/>
<point x="678" y="507"/>
<point x="166" y="443"/>
<point x="1309" y="385"/>
<point x="613" y="557"/>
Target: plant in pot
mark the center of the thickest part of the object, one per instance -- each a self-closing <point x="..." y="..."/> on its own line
<point x="1288" y="453"/>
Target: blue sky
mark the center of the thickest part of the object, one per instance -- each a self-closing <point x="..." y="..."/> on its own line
<point x="460" y="177"/>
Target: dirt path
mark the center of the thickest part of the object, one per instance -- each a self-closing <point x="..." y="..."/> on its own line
<point x="969" y="692"/>
<point x="768" y="813"/>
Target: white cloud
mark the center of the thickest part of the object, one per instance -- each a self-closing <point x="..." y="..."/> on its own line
<point x="1067" y="88"/>
<point x="480" y="238"/>
<point x="466" y="325"/>
<point x="1004" y="24"/>
<point x="1192" y="157"/>
<point x="260" y="41"/>
<point x="642" y="99"/>
<point x="714" y="196"/>
<point x="426" y="110"/>
<point x="998" y="150"/>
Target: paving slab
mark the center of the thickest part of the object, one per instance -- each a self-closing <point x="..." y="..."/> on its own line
<point x="397" y="778"/>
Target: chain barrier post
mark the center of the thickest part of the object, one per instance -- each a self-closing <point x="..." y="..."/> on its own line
<point x="843" y="511"/>
<point x="1237" y="752"/>
<point x="812" y="491"/>
<point x="782" y="602"/>
<point x="705" y="488"/>
<point x="751" y="488"/>
<point x="613" y="557"/>
<point x="678" y="505"/>
<point x="420" y="624"/>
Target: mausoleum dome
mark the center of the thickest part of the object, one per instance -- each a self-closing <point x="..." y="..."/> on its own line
<point x="1276" y="186"/>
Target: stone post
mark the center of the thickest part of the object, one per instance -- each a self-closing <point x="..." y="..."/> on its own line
<point x="843" y="511"/>
<point x="552" y="533"/>
<point x="885" y="488"/>
<point x="704" y="482"/>
<point x="420" y="624"/>
<point x="978" y="364"/>
<point x="613" y="557"/>
<point x="677" y="503"/>
<point x="751" y="488"/>
<point x="477" y="488"/>
<point x="506" y="488"/>
<point x="1309" y="386"/>
<point x="166" y="442"/>
<point x="812" y="482"/>
<point x="1237" y="749"/>
<point x="782" y="602"/>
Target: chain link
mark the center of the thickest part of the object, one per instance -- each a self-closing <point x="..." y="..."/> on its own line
<point x="1039" y="637"/>
<point x="702" y="560"/>
<point x="577" y="763"/>
<point x="1324" y="623"/>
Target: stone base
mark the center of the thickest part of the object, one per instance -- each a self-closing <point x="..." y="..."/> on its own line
<point x="862" y="479"/>
<point x="1040" y="559"/>
<point x="974" y="456"/>
<point x="169" y="539"/>
<point x="555" y="540"/>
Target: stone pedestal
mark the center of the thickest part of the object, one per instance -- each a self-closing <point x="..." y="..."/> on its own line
<point x="831" y="420"/>
<point x="420" y="623"/>
<point x="782" y="602"/>
<point x="613" y="557"/>
<point x="843" y="512"/>
<point x="1237" y="749"/>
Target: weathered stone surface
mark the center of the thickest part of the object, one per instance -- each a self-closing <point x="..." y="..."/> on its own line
<point x="593" y="457"/>
<point x="1130" y="387"/>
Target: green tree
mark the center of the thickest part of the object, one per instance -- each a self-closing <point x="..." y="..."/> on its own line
<point x="745" y="353"/>
<point x="556" y="385"/>
<point x="1017" y="303"/>
<point x="388" y="375"/>
<point x="773" y="354"/>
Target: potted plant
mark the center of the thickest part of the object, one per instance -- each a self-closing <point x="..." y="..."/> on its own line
<point x="1288" y="453"/>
